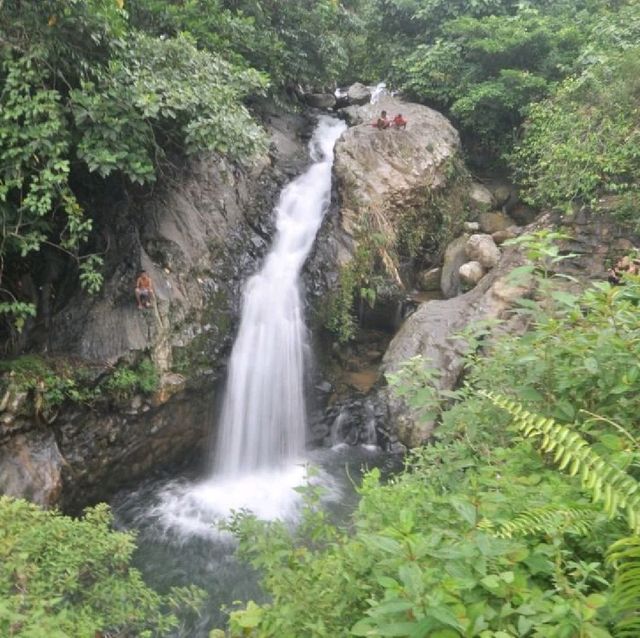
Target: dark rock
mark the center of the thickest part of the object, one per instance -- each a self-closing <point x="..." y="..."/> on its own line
<point x="454" y="256"/>
<point x="429" y="279"/>
<point x="324" y="388"/>
<point x="522" y="214"/>
<point x="320" y="100"/>
<point x="494" y="222"/>
<point x="31" y="467"/>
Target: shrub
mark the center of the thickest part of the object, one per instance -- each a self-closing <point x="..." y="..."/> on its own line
<point x="63" y="577"/>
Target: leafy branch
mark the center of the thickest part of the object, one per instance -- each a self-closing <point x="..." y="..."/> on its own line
<point x="605" y="481"/>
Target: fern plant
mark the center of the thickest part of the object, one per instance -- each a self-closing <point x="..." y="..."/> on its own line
<point x="606" y="482"/>
<point x="571" y="520"/>
<point x="571" y="452"/>
<point x="624" y="556"/>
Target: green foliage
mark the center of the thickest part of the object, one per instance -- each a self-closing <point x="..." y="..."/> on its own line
<point x="359" y="281"/>
<point x="125" y="381"/>
<point x="542" y="519"/>
<point x="297" y="43"/>
<point x="49" y="382"/>
<point x="64" y="577"/>
<point x="624" y="554"/>
<point x="584" y="356"/>
<point x="82" y="91"/>
<point x="481" y="536"/>
<point x="487" y="70"/>
<point x="606" y="482"/>
<point x="583" y="142"/>
<point x="417" y="382"/>
<point x="52" y="382"/>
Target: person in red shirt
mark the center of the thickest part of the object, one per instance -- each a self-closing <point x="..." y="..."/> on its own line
<point x="399" y="121"/>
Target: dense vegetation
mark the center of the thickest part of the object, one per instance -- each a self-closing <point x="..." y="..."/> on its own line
<point x="61" y="577"/>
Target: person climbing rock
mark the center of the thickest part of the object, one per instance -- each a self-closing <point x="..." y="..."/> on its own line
<point x="399" y="121"/>
<point x="144" y="290"/>
<point x="382" y="122"/>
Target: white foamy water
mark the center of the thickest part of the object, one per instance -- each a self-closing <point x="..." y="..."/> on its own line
<point x="264" y="416"/>
<point x="378" y="92"/>
<point x="186" y="510"/>
<point x="259" y="454"/>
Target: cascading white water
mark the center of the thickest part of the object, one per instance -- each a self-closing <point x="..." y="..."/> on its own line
<point x="263" y="416"/>
<point x="257" y="465"/>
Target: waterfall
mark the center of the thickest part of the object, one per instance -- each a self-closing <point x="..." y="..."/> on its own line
<point x="378" y="92"/>
<point x="263" y="420"/>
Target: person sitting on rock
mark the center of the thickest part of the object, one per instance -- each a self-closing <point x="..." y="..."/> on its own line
<point x="144" y="290"/>
<point x="399" y="121"/>
<point x="382" y="122"/>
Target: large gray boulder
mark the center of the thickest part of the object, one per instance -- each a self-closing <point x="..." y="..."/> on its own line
<point x="430" y="331"/>
<point x="483" y="249"/>
<point x="381" y="174"/>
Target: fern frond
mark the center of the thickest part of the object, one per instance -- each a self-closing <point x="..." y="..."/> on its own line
<point x="624" y="556"/>
<point x="573" y="520"/>
<point x="616" y="489"/>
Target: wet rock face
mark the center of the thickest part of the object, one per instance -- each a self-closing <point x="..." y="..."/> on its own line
<point x="199" y="235"/>
<point x="107" y="450"/>
<point x="31" y="467"/>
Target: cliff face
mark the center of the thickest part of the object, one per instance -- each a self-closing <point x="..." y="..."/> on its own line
<point x="198" y="235"/>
